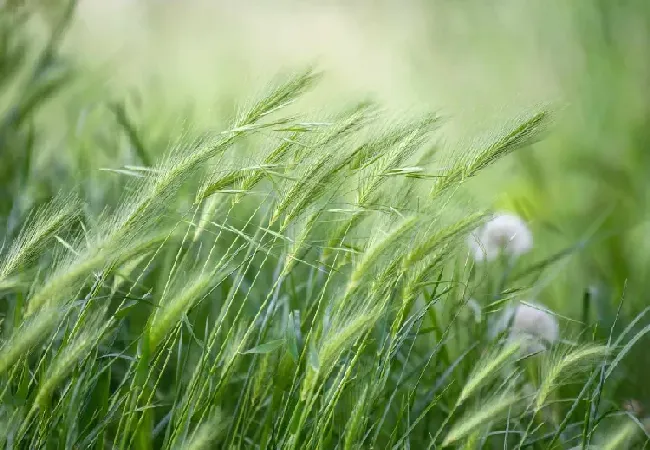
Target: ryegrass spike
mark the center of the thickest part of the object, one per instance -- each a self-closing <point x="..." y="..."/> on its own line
<point x="486" y="369"/>
<point x="489" y="411"/>
<point x="564" y="366"/>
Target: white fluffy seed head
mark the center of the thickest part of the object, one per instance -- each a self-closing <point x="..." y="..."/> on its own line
<point x="506" y="233"/>
<point x="533" y="325"/>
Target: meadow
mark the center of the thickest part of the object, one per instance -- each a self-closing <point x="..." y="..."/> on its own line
<point x="303" y="225"/>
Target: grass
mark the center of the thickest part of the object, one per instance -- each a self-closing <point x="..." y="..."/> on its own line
<point x="288" y="279"/>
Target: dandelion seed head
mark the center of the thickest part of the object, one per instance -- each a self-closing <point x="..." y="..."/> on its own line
<point x="503" y="233"/>
<point x="534" y="326"/>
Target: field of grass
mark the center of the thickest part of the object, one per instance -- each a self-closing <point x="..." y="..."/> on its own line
<point x="302" y="226"/>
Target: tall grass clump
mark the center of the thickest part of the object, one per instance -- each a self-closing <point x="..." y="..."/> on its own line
<point x="286" y="279"/>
